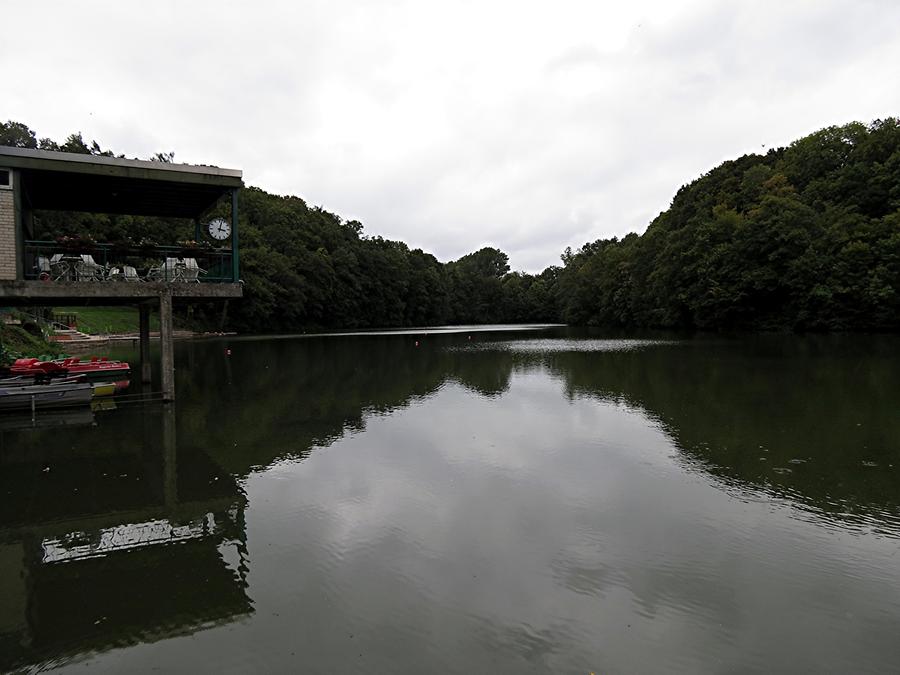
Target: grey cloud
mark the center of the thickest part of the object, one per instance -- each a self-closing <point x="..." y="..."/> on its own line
<point x="451" y="127"/>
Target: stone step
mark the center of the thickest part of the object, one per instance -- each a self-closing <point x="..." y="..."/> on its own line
<point x="69" y="335"/>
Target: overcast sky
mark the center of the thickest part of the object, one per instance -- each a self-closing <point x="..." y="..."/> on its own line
<point x="529" y="126"/>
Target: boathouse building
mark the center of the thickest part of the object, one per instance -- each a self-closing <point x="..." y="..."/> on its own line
<point x="58" y="270"/>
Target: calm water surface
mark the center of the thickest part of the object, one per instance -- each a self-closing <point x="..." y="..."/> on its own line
<point x="545" y="501"/>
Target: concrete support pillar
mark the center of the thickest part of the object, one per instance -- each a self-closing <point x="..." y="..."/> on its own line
<point x="144" y="334"/>
<point x="166" y="346"/>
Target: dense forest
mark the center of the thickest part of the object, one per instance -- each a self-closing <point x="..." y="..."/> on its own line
<point x="305" y="268"/>
<point x="802" y="238"/>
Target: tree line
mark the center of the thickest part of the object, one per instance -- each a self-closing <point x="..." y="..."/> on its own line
<point x="805" y="237"/>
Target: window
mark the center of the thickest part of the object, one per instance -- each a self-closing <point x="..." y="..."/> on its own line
<point x="5" y="179"/>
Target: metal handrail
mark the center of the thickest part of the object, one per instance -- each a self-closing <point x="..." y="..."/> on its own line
<point x="154" y="261"/>
<point x="41" y="320"/>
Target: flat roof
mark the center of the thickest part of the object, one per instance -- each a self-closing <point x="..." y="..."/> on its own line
<point x="51" y="160"/>
<point x="67" y="181"/>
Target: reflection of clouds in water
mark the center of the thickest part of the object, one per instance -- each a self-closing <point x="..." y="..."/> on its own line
<point x="565" y="542"/>
<point x="542" y="531"/>
<point x="551" y="345"/>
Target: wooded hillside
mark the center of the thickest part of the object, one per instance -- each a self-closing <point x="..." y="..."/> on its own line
<point x="802" y="238"/>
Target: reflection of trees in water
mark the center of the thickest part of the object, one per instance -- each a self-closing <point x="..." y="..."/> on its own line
<point x="148" y="542"/>
<point x="113" y="542"/>
<point x="286" y="396"/>
<point x="813" y="419"/>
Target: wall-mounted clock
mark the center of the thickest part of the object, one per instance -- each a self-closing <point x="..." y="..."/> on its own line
<point x="219" y="228"/>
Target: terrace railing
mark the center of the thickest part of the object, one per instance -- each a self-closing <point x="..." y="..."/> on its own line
<point x="86" y="261"/>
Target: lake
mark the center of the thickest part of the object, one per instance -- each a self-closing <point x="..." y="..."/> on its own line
<point x="530" y="501"/>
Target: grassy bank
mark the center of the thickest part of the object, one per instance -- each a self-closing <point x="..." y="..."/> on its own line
<point x="105" y="320"/>
<point x="17" y="342"/>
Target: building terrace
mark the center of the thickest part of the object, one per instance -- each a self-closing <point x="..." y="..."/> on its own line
<point x="58" y="270"/>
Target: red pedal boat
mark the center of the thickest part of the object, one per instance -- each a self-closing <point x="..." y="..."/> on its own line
<point x="70" y="366"/>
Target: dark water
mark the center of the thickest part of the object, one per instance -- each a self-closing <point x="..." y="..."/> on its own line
<point x="514" y="502"/>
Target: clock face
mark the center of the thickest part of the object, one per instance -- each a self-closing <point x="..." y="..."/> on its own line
<point x="219" y="228"/>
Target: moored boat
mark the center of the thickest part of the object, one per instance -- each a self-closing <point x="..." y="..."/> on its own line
<point x="39" y="378"/>
<point x="69" y="366"/>
<point x="104" y="389"/>
<point x="17" y="379"/>
<point x="45" y="395"/>
<point x="100" y="389"/>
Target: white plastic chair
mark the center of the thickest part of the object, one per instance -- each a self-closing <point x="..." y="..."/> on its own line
<point x="169" y="270"/>
<point x="88" y="270"/>
<point x="172" y="269"/>
<point x="191" y="271"/>
<point x="43" y="267"/>
<point x="125" y="273"/>
<point x="60" y="270"/>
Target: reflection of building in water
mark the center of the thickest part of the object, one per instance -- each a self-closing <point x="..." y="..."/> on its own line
<point x="104" y="545"/>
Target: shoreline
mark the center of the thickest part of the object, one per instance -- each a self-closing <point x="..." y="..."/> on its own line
<point x="95" y="341"/>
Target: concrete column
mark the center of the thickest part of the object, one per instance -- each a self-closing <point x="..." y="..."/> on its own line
<point x="166" y="346"/>
<point x="144" y="334"/>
